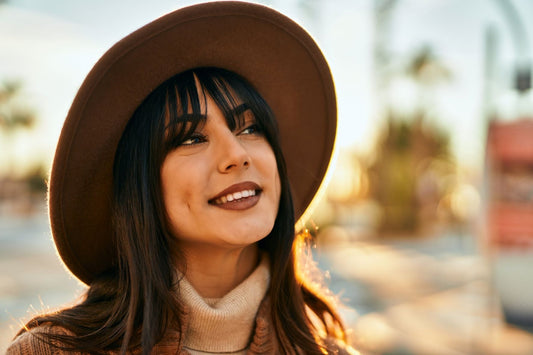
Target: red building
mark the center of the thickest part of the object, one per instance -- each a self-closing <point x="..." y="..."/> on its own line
<point x="510" y="173"/>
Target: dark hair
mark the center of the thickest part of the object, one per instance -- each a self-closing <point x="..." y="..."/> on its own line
<point x="132" y="306"/>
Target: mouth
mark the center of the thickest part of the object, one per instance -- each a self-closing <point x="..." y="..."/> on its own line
<point x="238" y="196"/>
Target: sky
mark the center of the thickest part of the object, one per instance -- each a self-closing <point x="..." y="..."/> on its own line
<point x="51" y="45"/>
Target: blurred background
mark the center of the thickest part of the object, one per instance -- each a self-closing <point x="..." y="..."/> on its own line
<point x="426" y="227"/>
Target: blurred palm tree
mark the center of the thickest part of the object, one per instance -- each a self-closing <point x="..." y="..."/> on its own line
<point x="13" y="116"/>
<point x="19" y="189"/>
<point x="407" y="175"/>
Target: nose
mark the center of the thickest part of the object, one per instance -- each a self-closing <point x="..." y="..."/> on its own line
<point x="233" y="155"/>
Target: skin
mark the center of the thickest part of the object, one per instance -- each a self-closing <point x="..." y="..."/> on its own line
<point x="219" y="239"/>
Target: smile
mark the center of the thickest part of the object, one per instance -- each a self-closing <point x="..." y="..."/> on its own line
<point x="234" y="196"/>
<point x="240" y="196"/>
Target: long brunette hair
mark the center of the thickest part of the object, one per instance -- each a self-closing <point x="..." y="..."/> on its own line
<point x="132" y="306"/>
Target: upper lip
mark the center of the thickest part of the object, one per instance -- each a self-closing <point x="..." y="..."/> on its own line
<point x="247" y="185"/>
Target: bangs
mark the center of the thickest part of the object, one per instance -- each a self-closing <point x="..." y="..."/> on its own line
<point x="183" y="112"/>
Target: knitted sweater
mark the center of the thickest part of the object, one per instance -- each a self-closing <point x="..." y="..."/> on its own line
<point x="224" y="325"/>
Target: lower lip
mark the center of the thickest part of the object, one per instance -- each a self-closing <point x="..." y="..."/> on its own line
<point x="240" y="204"/>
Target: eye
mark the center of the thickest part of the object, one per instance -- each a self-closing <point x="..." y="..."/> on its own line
<point x="252" y="129"/>
<point x="195" y="139"/>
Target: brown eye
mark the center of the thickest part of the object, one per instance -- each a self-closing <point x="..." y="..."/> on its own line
<point x="195" y="139"/>
<point x="252" y="129"/>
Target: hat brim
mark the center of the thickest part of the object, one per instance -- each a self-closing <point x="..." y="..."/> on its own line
<point x="271" y="51"/>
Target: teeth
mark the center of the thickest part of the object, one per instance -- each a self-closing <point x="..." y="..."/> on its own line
<point x="234" y="196"/>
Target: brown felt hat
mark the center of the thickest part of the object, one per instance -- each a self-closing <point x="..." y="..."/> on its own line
<point x="271" y="51"/>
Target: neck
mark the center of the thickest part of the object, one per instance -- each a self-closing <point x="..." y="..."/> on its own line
<point x="213" y="272"/>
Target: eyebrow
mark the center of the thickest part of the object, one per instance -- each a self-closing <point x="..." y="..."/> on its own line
<point x="190" y="117"/>
<point x="240" y="109"/>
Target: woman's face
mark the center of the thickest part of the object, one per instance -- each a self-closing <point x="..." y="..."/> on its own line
<point x="221" y="187"/>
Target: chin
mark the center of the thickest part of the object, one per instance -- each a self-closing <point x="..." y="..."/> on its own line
<point x="248" y="237"/>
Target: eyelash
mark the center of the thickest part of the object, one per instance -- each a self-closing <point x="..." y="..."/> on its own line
<point x="189" y="140"/>
<point x="252" y="129"/>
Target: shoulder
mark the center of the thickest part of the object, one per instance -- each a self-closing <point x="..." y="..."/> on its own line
<point x="34" y="341"/>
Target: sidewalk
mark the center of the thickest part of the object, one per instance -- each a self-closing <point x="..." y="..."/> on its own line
<point x="423" y="296"/>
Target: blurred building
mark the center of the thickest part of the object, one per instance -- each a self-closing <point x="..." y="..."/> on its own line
<point x="510" y="164"/>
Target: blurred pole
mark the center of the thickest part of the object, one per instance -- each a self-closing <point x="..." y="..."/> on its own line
<point x="383" y="10"/>
<point x="491" y="64"/>
<point x="522" y="74"/>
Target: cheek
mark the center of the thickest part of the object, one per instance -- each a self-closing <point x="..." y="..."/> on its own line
<point x="274" y="174"/>
<point x="272" y="167"/>
<point x="278" y="184"/>
<point x="178" y="198"/>
<point x="177" y="185"/>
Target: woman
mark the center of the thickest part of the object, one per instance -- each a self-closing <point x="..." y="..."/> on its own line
<point x="171" y="198"/>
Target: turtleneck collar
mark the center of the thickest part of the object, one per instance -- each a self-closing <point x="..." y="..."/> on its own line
<point x="224" y="325"/>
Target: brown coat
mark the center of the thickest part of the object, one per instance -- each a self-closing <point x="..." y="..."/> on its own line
<point x="264" y="341"/>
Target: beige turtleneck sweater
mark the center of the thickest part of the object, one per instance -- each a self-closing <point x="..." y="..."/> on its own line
<point x="224" y="325"/>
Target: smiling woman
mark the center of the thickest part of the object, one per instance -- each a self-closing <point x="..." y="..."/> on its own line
<point x="172" y="190"/>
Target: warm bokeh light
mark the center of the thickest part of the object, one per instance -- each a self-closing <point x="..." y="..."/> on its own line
<point x="349" y="181"/>
<point x="465" y="201"/>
